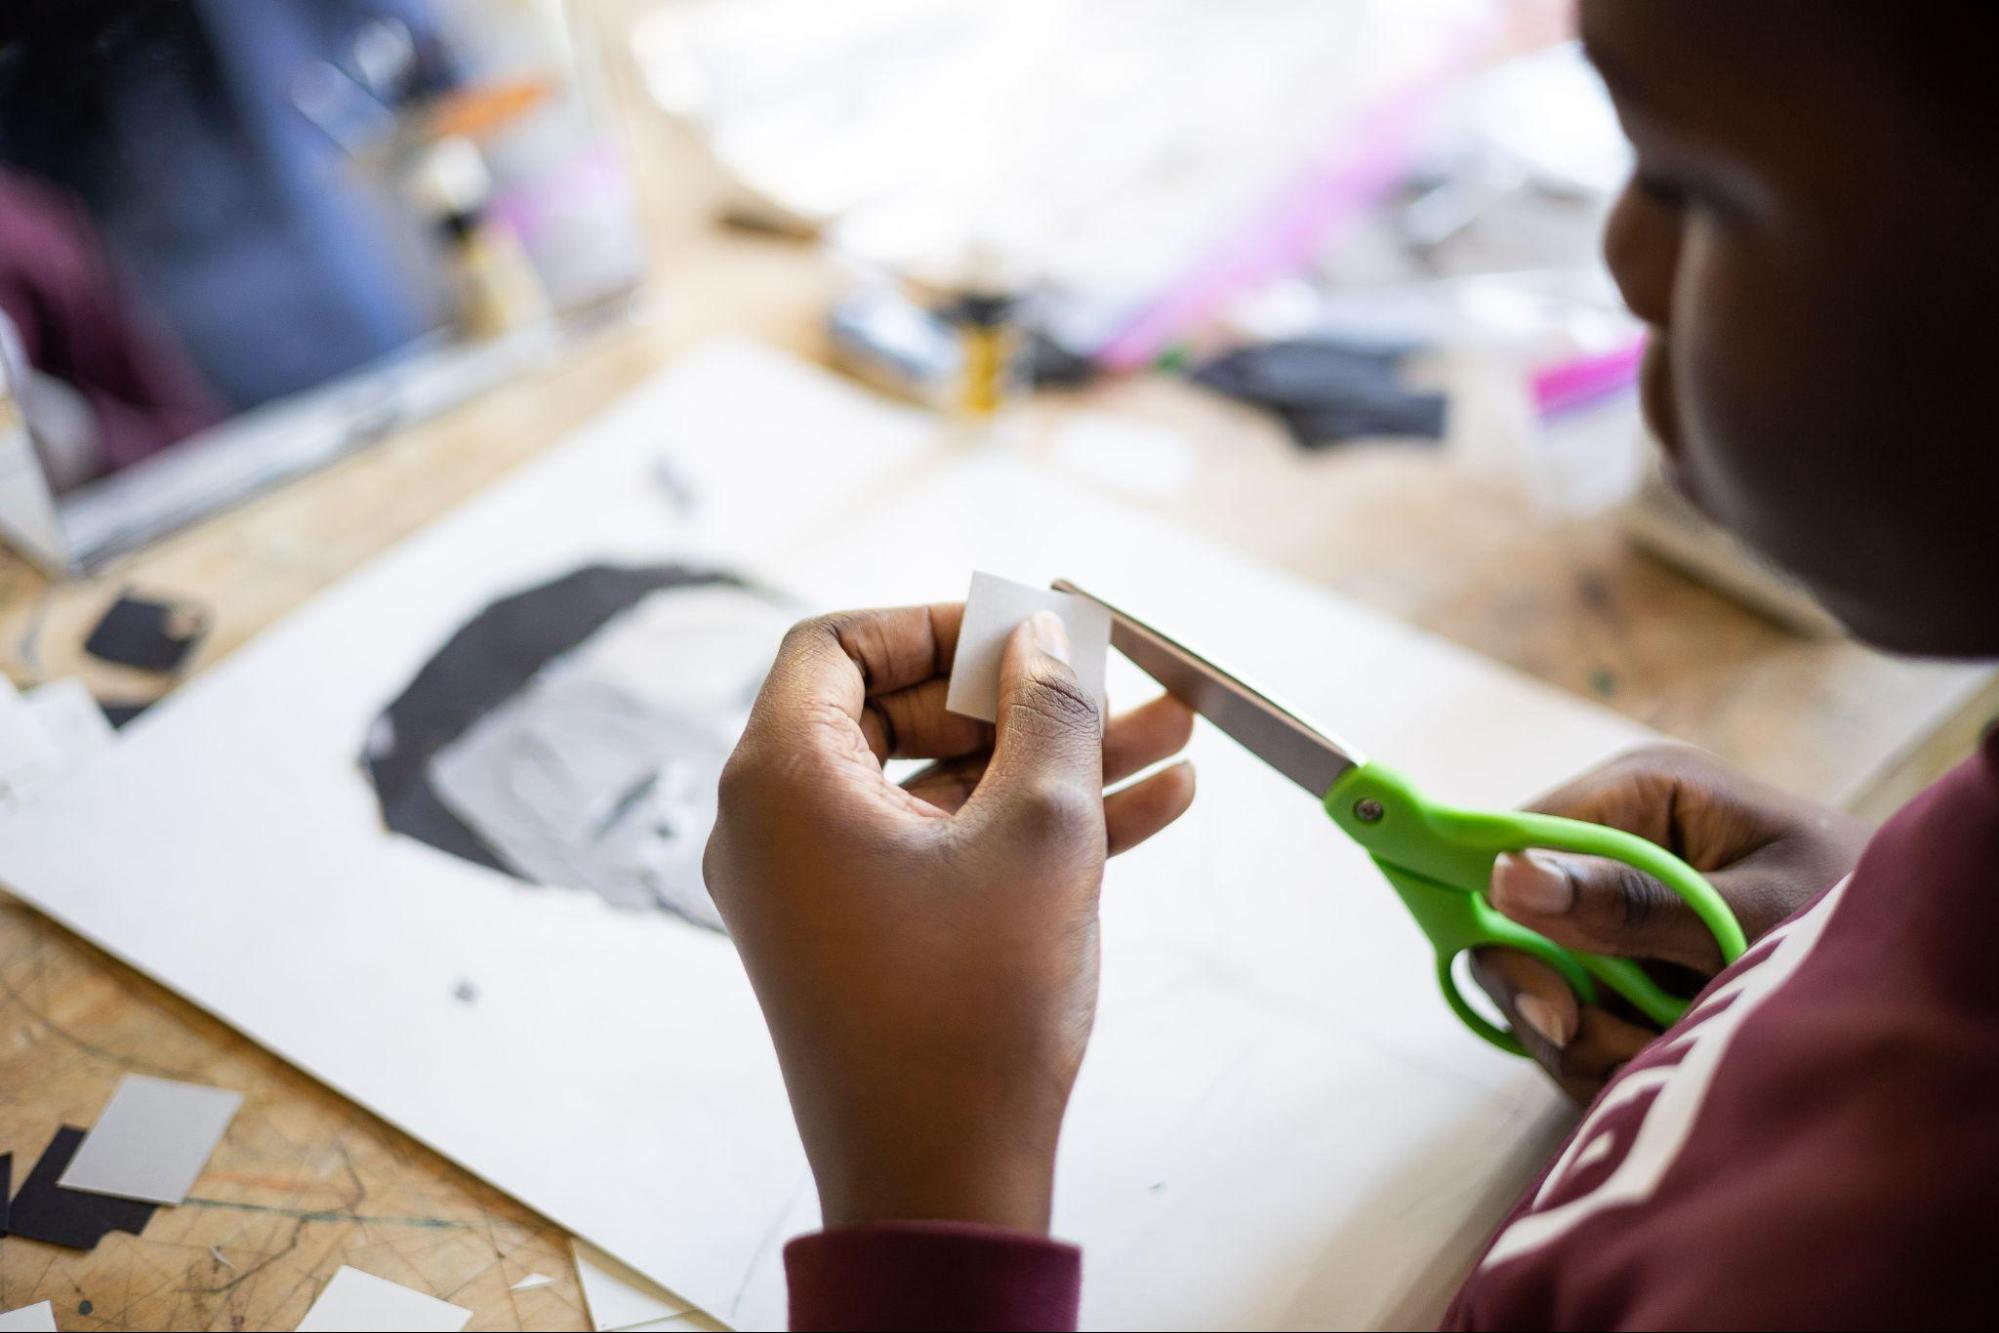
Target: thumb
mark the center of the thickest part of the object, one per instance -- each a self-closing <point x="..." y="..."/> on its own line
<point x="1604" y="906"/>
<point x="1048" y="743"/>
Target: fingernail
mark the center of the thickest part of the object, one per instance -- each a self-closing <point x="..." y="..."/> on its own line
<point x="1544" y="1018"/>
<point x="1049" y="634"/>
<point x="1532" y="884"/>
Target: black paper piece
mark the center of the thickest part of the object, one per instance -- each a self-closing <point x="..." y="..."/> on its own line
<point x="45" y="1211"/>
<point x="152" y="636"/>
<point x="1328" y="391"/>
<point x="6" y="1187"/>
<point x="122" y="715"/>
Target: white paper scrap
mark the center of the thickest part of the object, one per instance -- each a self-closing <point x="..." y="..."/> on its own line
<point x="37" y="1318"/>
<point x="151" y="1140"/>
<point x="618" y="1298"/>
<point x="533" y="1281"/>
<point x="994" y="608"/>
<point x="358" y="1302"/>
<point x="75" y="725"/>
<point x="27" y="754"/>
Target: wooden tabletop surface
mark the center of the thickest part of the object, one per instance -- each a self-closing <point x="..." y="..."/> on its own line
<point x="305" y="1181"/>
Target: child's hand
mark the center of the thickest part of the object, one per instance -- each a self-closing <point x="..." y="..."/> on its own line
<point x="926" y="955"/>
<point x="1767" y="853"/>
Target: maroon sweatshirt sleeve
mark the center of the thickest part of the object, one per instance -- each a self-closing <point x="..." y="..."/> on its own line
<point x="931" y="1275"/>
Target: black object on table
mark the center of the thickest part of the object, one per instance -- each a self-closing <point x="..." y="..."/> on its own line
<point x="1328" y="391"/>
<point x="45" y="1211"/>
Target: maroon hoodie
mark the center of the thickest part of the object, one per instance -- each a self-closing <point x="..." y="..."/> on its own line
<point x="1815" y="1145"/>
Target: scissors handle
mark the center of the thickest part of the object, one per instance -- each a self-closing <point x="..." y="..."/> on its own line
<point x="1440" y="861"/>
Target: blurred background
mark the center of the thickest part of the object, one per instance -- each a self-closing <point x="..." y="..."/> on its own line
<point x="1321" y="279"/>
<point x="213" y="209"/>
<point x="276" y="228"/>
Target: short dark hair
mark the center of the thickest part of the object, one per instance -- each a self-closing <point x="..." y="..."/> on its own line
<point x="1948" y="47"/>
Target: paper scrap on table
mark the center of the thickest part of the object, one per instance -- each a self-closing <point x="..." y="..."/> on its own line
<point x="994" y="608"/>
<point x="358" y="1302"/>
<point x="72" y="720"/>
<point x="37" y="1318"/>
<point x="533" y="1281"/>
<point x="45" y="1211"/>
<point x="622" y="1301"/>
<point x="27" y="754"/>
<point x="47" y="732"/>
<point x="151" y="1140"/>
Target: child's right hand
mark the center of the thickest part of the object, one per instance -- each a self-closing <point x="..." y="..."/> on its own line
<point x="1765" y="851"/>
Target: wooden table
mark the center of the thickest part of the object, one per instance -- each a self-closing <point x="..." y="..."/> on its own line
<point x="305" y="1181"/>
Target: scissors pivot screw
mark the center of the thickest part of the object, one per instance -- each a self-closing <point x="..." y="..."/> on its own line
<point x="1368" y="811"/>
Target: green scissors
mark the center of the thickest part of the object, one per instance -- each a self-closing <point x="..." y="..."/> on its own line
<point x="1438" y="859"/>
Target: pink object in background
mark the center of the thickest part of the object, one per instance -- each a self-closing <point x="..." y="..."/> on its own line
<point x="1359" y="171"/>
<point x="1582" y="380"/>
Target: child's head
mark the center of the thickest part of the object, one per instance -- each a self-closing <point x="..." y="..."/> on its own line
<point x="1813" y="232"/>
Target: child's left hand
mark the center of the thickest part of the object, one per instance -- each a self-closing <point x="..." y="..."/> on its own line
<point x="1765" y="851"/>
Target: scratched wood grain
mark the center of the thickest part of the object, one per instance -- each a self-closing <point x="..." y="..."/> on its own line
<point x="302" y="1183"/>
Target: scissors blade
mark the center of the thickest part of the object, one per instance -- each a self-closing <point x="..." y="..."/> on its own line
<point x="1267" y="729"/>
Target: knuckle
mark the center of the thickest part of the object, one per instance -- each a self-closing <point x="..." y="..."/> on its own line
<point x="739" y="781"/>
<point x="810" y="631"/>
<point x="1644" y="767"/>
<point x="1056" y="702"/>
<point x="1653" y="756"/>
<point x="1059" y="811"/>
<point x="1643" y="901"/>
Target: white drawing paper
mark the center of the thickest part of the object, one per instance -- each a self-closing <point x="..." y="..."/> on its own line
<point x="151" y="1139"/>
<point x="358" y="1302"/>
<point x="1279" y="1122"/>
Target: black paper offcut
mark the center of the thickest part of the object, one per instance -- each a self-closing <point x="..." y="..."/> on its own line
<point x="43" y="1210"/>
<point x="152" y="636"/>
<point x="6" y="1187"/>
<point x="1327" y="391"/>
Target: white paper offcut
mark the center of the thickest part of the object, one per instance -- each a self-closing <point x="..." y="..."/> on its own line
<point x="620" y="1300"/>
<point x="994" y="608"/>
<point x="151" y="1140"/>
<point x="358" y="1302"/>
<point x="37" y="1318"/>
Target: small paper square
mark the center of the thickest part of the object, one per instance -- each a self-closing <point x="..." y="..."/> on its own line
<point x="151" y="1140"/>
<point x="994" y="608"/>
<point x="37" y="1318"/>
<point x="358" y="1302"/>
